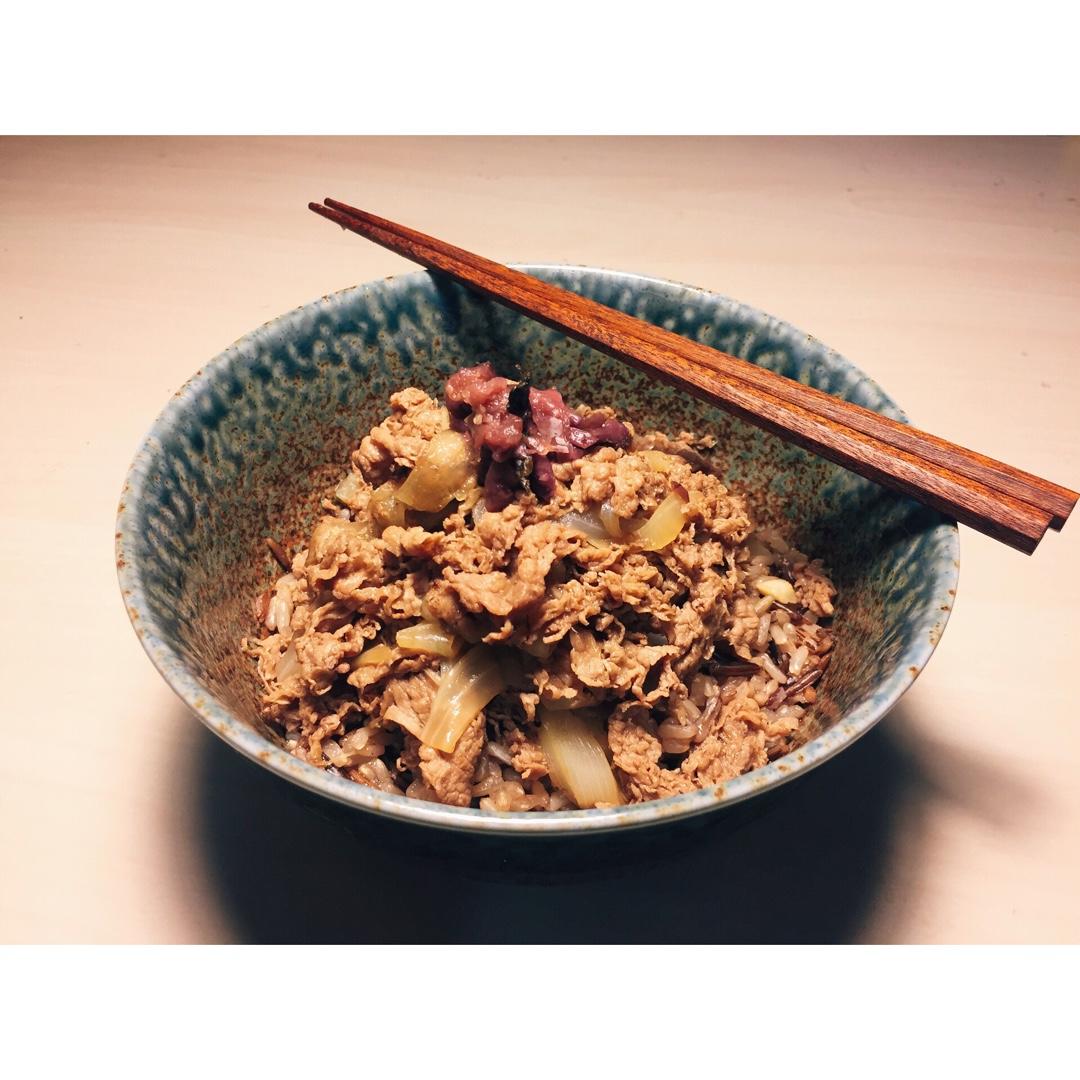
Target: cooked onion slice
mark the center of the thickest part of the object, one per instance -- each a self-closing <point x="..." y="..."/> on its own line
<point x="289" y="664"/>
<point x="611" y="521"/>
<point x="470" y="495"/>
<point x="589" y="526"/>
<point x="377" y="654"/>
<point x="385" y="506"/>
<point x="349" y="490"/>
<point x="577" y="758"/>
<point x="559" y="704"/>
<point x="464" y="689"/>
<point x="665" y="524"/>
<point x="443" y="469"/>
<point x="657" y="460"/>
<point x="429" y="638"/>
<point x="779" y="589"/>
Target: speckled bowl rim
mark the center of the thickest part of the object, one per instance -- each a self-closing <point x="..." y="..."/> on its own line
<point x="249" y="742"/>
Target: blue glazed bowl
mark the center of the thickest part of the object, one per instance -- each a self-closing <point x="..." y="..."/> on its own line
<point x="253" y="442"/>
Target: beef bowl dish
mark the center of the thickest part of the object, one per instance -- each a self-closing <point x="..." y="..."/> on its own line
<point x="430" y="559"/>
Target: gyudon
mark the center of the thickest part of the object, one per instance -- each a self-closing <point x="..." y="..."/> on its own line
<point x="515" y="605"/>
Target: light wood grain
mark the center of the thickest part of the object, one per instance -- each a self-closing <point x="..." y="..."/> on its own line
<point x="949" y="270"/>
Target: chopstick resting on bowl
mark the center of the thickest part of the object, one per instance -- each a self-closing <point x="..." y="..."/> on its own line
<point x="999" y="500"/>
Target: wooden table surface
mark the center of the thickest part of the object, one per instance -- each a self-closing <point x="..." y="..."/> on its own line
<point x="948" y="269"/>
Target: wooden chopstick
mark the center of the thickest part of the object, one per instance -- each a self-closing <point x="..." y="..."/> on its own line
<point x="999" y="515"/>
<point x="717" y="377"/>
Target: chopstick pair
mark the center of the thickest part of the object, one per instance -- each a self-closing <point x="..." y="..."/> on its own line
<point x="1006" y="503"/>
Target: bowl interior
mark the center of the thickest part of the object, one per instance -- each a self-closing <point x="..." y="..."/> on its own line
<point x="253" y="443"/>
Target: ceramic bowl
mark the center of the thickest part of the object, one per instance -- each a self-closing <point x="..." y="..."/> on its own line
<point x="252" y="443"/>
